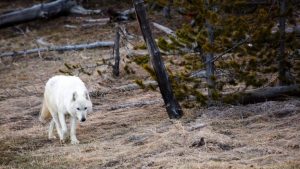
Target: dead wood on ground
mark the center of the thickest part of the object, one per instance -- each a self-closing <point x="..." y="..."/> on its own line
<point x="44" y="11"/>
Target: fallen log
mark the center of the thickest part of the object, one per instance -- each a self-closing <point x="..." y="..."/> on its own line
<point x="59" y="48"/>
<point x="42" y="11"/>
<point x="262" y="94"/>
<point x="172" y="106"/>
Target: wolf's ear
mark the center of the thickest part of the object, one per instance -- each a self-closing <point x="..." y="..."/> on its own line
<point x="74" y="96"/>
<point x="87" y="95"/>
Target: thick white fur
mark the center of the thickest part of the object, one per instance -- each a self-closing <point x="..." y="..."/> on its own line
<point x="65" y="95"/>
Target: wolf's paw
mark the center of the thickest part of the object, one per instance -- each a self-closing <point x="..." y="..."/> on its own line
<point x="74" y="141"/>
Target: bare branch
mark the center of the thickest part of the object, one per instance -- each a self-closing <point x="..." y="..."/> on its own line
<point x="228" y="50"/>
<point x="79" y="10"/>
<point x="164" y="29"/>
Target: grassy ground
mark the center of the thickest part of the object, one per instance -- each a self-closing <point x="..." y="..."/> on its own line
<point x="263" y="135"/>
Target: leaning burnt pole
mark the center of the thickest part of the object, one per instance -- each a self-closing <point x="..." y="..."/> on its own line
<point x="172" y="106"/>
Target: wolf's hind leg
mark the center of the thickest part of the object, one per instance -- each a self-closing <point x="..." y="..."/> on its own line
<point x="51" y="127"/>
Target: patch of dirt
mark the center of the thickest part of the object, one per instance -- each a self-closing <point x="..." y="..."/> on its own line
<point x="263" y="135"/>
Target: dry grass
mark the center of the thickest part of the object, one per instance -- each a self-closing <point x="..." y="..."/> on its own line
<point x="264" y="135"/>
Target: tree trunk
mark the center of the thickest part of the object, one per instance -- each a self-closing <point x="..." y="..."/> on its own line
<point x="167" y="9"/>
<point x="210" y="67"/>
<point x="116" y="71"/>
<point x="281" y="56"/>
<point x="172" y="106"/>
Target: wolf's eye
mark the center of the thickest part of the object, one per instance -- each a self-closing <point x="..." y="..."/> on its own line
<point x="78" y="108"/>
<point x="85" y="108"/>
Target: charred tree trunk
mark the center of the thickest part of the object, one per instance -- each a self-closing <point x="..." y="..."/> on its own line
<point x="210" y="67"/>
<point x="167" y="9"/>
<point x="172" y="106"/>
<point x="116" y="52"/>
<point x="282" y="67"/>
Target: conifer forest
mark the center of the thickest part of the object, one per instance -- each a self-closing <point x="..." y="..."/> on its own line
<point x="183" y="84"/>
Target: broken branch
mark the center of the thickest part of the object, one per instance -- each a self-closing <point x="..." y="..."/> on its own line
<point x="164" y="29"/>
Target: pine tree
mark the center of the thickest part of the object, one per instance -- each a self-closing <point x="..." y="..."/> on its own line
<point x="233" y="37"/>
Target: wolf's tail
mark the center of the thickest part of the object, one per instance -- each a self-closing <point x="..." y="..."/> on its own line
<point x="45" y="113"/>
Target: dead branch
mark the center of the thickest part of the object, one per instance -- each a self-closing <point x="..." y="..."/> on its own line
<point x="164" y="29"/>
<point x="70" y="26"/>
<point x="134" y="104"/>
<point x="88" y="25"/>
<point x="137" y="53"/>
<point x="97" y="20"/>
<point x="79" y="10"/>
<point x="196" y="127"/>
<point x="202" y="73"/>
<point x="60" y="48"/>
<point x="42" y="42"/>
<point x="228" y="50"/>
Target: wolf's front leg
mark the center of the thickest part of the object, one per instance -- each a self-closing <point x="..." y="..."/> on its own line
<point x="73" y="131"/>
<point x="64" y="130"/>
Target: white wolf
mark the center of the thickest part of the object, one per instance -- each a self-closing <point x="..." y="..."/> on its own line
<point x="65" y="95"/>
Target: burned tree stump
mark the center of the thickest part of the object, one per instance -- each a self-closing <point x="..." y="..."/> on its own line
<point x="172" y="106"/>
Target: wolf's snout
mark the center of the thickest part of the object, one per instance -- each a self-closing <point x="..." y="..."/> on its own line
<point x="83" y="119"/>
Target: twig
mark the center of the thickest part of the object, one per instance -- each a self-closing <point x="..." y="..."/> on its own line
<point x="228" y="50"/>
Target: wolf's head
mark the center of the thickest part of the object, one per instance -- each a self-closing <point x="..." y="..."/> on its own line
<point x="81" y="105"/>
